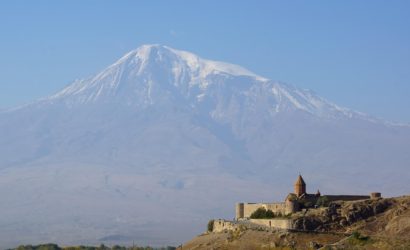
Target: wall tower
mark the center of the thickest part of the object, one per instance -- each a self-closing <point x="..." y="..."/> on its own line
<point x="240" y="207"/>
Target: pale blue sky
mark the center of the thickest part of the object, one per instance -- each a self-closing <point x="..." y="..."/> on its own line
<point x="354" y="53"/>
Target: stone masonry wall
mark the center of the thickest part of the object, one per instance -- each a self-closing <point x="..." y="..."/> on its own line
<point x="274" y="223"/>
<point x="248" y="208"/>
<point x="224" y="225"/>
<point x="346" y="197"/>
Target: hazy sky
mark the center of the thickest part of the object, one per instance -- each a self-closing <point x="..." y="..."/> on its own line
<point x="354" y="53"/>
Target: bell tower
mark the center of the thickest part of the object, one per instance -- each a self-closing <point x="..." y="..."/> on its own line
<point x="300" y="186"/>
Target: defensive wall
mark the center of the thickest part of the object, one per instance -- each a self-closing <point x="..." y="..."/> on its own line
<point x="222" y="225"/>
<point x="274" y="223"/>
<point x="225" y="225"/>
<point x="346" y="197"/>
<point x="245" y="210"/>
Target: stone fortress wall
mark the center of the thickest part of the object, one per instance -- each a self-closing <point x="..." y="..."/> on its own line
<point x="346" y="197"/>
<point x="244" y="210"/>
<point x="222" y="225"/>
<point x="285" y="224"/>
<point x="276" y="224"/>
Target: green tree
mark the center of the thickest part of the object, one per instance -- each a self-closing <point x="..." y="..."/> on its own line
<point x="48" y="247"/>
<point x="262" y="213"/>
<point x="269" y="214"/>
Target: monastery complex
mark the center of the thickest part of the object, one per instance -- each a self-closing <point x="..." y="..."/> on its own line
<point x="281" y="212"/>
<point x="295" y="201"/>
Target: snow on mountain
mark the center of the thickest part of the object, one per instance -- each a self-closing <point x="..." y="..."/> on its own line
<point x="155" y="144"/>
<point x="183" y="67"/>
<point x="142" y="74"/>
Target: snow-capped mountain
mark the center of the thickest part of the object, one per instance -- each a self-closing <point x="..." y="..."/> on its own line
<point x="141" y="77"/>
<point x="161" y="140"/>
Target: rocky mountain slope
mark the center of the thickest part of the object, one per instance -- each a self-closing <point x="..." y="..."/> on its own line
<point x="162" y="139"/>
<point x="371" y="224"/>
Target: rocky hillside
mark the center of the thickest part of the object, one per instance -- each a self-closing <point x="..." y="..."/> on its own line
<point x="367" y="224"/>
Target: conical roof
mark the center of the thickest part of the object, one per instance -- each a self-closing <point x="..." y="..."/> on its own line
<point x="300" y="181"/>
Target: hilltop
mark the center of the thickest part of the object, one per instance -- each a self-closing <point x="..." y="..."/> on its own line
<point x="368" y="224"/>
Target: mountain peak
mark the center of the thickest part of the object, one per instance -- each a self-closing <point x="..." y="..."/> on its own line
<point x="202" y="67"/>
<point x="153" y="63"/>
<point x="143" y="52"/>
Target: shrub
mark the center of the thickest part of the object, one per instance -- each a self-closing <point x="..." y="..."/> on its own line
<point x="358" y="236"/>
<point x="116" y="247"/>
<point x="40" y="247"/>
<point x="269" y="214"/>
<point x="262" y="213"/>
<point x="357" y="239"/>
